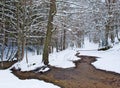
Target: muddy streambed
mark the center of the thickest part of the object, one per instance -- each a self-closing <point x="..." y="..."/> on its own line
<point x="84" y="75"/>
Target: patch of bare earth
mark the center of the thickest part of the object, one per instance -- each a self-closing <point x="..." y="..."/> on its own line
<point x="84" y="75"/>
<point x="6" y="64"/>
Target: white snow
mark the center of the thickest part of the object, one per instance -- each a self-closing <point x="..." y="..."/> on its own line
<point x="89" y="46"/>
<point x="34" y="61"/>
<point x="8" y="80"/>
<point x="103" y="0"/>
<point x="108" y="60"/>
<point x="61" y="59"/>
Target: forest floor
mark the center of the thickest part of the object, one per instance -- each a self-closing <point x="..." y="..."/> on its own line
<point x="84" y="75"/>
<point x="6" y="64"/>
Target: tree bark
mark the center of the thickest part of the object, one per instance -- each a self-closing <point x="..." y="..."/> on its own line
<point x="64" y="40"/>
<point x="47" y="41"/>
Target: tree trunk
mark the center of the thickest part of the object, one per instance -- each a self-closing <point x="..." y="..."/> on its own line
<point x="49" y="32"/>
<point x="64" y="40"/>
<point x="109" y="22"/>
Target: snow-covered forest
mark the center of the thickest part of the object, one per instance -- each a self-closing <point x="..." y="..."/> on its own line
<point x="37" y="34"/>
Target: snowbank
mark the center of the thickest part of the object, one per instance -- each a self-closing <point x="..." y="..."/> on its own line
<point x="108" y="60"/>
<point x="61" y="59"/>
<point x="8" y="80"/>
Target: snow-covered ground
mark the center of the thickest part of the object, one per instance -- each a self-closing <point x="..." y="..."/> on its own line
<point x="62" y="59"/>
<point x="8" y="80"/>
<point x="108" y="60"/>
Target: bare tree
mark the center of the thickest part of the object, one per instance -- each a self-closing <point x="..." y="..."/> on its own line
<point x="50" y="27"/>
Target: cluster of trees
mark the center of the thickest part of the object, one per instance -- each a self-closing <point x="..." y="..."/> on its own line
<point x="21" y="22"/>
<point x="45" y="25"/>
